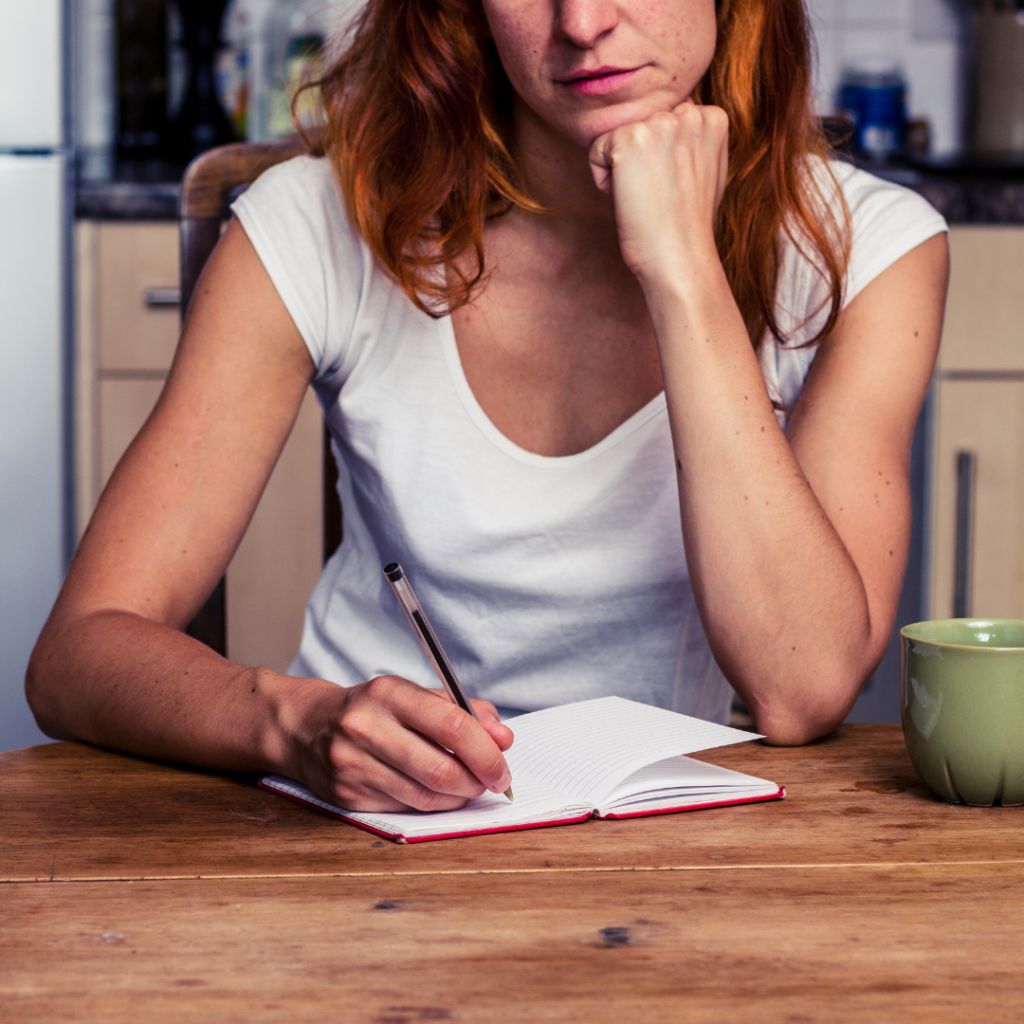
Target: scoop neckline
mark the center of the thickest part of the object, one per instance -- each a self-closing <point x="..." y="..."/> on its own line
<point x="450" y="350"/>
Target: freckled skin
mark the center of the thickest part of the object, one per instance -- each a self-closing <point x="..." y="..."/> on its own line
<point x="541" y="43"/>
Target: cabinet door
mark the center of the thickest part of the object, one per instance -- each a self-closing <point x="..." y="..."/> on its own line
<point x="126" y="341"/>
<point x="979" y="409"/>
<point x="985" y="417"/>
<point x="126" y="330"/>
<point x="281" y="555"/>
<point x="984" y="329"/>
<point x="138" y="300"/>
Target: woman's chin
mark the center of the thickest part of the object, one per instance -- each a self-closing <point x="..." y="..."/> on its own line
<point x="583" y="127"/>
<point x="601" y="122"/>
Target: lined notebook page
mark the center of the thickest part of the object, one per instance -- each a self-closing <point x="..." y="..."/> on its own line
<point x="585" y="750"/>
<point x="488" y="811"/>
<point x="677" y="781"/>
<point x="685" y="773"/>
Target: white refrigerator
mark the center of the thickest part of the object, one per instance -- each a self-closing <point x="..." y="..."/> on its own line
<point x="35" y="210"/>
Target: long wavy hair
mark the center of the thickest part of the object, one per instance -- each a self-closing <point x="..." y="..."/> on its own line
<point x="417" y="110"/>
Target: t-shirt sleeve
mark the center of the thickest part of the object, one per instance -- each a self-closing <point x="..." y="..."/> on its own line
<point x="294" y="217"/>
<point x="887" y="221"/>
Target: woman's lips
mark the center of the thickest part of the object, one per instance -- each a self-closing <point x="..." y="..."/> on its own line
<point x="600" y="81"/>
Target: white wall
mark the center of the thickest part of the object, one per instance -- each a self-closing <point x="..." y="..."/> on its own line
<point x="925" y="38"/>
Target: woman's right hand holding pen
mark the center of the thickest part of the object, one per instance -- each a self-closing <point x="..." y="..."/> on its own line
<point x="391" y="745"/>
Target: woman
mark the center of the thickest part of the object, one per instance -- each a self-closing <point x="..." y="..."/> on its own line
<point x="576" y="245"/>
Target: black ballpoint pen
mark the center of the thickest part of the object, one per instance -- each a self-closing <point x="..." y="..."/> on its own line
<point x="418" y="618"/>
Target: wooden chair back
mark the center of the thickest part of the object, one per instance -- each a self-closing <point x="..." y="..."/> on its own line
<point x="211" y="183"/>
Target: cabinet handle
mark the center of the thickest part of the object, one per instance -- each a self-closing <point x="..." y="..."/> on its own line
<point x="966" y="465"/>
<point x="161" y="298"/>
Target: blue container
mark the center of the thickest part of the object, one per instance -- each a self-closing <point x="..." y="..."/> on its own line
<point x="877" y="105"/>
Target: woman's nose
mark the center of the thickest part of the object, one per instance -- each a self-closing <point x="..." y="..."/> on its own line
<point x="583" y="22"/>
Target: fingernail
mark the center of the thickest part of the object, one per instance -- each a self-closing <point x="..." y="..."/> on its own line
<point x="506" y="781"/>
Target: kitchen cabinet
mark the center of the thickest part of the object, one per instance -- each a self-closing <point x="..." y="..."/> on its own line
<point x="978" y="417"/>
<point x="127" y="325"/>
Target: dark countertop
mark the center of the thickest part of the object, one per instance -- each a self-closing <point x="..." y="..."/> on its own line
<point x="127" y="200"/>
<point x="964" y="191"/>
<point x="138" y="190"/>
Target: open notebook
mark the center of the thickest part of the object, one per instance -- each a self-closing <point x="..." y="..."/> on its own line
<point x="604" y="758"/>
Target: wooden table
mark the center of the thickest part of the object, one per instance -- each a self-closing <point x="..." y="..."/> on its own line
<point x="134" y="891"/>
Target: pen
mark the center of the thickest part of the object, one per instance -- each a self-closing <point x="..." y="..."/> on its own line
<point x="418" y="617"/>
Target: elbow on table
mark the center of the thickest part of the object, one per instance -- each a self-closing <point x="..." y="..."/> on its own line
<point x="808" y="714"/>
<point x="795" y="703"/>
<point x="42" y="693"/>
<point x="794" y="730"/>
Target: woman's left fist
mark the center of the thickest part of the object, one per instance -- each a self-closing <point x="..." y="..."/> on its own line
<point x="667" y="175"/>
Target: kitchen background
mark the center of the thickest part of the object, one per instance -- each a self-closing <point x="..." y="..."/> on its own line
<point x="926" y="40"/>
<point x="129" y="90"/>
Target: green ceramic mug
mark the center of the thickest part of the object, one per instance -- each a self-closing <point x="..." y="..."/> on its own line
<point x="963" y="708"/>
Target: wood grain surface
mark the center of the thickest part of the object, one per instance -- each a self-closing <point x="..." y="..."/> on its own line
<point x="859" y="898"/>
<point x="70" y="811"/>
<point x="923" y="943"/>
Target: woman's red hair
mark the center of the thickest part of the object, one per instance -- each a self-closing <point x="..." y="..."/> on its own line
<point x="417" y="113"/>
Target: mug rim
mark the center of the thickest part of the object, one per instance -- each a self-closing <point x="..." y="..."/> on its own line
<point x="956" y="646"/>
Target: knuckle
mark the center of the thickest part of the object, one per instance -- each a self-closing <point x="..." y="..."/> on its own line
<point x="355" y="798"/>
<point x="359" y="724"/>
<point x="456" y="721"/>
<point x="342" y="760"/>
<point x="441" y="776"/>
<point x="633" y="134"/>
<point x="382" y="688"/>
<point x="346" y="796"/>
<point x="455" y="725"/>
<point x="431" y="801"/>
<point x="663" y="121"/>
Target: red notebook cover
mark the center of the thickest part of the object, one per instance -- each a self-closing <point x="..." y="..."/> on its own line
<point x="398" y="837"/>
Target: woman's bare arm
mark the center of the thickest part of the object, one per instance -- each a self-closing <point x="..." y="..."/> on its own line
<point x="112" y="667"/>
<point x="796" y="543"/>
<point x="166" y="527"/>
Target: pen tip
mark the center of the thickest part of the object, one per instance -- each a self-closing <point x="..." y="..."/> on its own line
<point x="508" y="793"/>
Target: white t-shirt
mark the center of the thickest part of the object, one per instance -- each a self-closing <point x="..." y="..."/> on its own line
<point x="547" y="579"/>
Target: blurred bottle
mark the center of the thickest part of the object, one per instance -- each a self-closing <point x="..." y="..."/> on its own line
<point x="233" y="63"/>
<point x="95" y="90"/>
<point x="917" y="138"/>
<point x="141" y="79"/>
<point x="288" y="42"/>
<point x="200" y="122"/>
<point x="873" y="93"/>
<point x="302" y="62"/>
